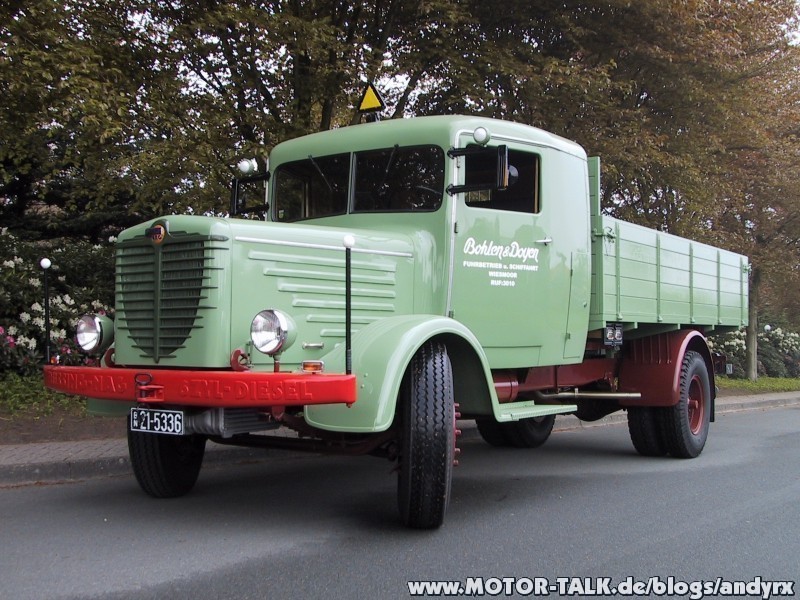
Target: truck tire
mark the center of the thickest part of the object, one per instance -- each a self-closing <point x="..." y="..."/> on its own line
<point x="525" y="433"/>
<point x="166" y="466"/>
<point x="644" y="426"/>
<point x="427" y="438"/>
<point x="531" y="432"/>
<point x="492" y="432"/>
<point x="685" y="425"/>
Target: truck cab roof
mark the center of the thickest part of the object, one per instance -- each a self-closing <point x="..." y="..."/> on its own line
<point x="439" y="130"/>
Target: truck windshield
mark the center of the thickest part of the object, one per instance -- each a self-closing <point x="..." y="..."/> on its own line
<point x="395" y="179"/>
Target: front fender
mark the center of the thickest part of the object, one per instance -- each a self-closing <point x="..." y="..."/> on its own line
<point x="381" y="352"/>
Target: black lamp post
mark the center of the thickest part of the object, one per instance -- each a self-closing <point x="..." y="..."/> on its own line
<point x="45" y="263"/>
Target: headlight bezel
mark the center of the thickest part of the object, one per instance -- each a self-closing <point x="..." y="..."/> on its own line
<point x="272" y="331"/>
<point x="94" y="333"/>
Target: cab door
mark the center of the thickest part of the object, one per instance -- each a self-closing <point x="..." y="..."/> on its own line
<point x="520" y="276"/>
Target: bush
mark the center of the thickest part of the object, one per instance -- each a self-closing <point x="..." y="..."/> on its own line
<point x="81" y="280"/>
<point x="778" y="352"/>
<point x="27" y="395"/>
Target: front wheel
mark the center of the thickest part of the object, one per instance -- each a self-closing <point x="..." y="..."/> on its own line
<point x="427" y="419"/>
<point x="166" y="466"/>
<point x="685" y="425"/>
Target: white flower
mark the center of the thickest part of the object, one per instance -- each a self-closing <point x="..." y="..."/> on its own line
<point x="35" y="282"/>
<point x="18" y="260"/>
<point x="36" y="307"/>
<point x="24" y="317"/>
<point x="68" y="301"/>
<point x="39" y="322"/>
<point x="112" y="239"/>
<point x="9" y="264"/>
<point x="29" y="342"/>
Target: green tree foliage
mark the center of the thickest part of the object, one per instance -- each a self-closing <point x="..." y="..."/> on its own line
<point x="118" y="110"/>
<point x="65" y="75"/>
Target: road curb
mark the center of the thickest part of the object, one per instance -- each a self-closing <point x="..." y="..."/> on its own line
<point x="28" y="464"/>
<point x="78" y="469"/>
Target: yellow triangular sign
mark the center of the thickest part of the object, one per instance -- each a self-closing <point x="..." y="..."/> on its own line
<point x="371" y="100"/>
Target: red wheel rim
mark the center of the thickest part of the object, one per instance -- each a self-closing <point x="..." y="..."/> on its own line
<point x="696" y="405"/>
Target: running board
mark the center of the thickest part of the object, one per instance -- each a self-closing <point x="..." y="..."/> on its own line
<point x="514" y="411"/>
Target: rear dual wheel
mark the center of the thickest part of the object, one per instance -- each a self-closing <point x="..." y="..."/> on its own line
<point x="685" y="425"/>
<point x="644" y="426"/>
<point x="680" y="430"/>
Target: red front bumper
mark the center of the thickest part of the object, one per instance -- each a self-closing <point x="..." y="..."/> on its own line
<point x="217" y="389"/>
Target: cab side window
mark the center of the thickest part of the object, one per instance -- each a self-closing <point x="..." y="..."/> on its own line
<point x="522" y="194"/>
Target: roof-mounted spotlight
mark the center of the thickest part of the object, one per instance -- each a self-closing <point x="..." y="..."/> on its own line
<point x="247" y="166"/>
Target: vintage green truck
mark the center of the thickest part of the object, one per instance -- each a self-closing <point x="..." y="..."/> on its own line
<point x="404" y="274"/>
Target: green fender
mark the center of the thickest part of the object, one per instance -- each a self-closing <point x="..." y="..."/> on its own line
<point x="382" y="351"/>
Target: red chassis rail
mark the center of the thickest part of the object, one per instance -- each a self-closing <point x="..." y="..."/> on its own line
<point x="217" y="389"/>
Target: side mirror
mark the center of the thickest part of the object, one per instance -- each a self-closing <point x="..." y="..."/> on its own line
<point x="252" y="188"/>
<point x="486" y="169"/>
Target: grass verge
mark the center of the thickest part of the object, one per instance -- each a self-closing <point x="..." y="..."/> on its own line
<point x="28" y="396"/>
<point x="763" y="385"/>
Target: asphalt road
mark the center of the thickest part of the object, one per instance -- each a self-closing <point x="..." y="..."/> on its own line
<point x="584" y="505"/>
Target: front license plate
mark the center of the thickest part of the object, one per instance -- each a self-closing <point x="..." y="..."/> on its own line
<point x="151" y="420"/>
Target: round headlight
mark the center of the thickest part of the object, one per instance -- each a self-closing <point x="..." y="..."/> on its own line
<point x="94" y="333"/>
<point x="271" y="331"/>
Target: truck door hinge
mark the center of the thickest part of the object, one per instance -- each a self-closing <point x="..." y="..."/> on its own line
<point x="455" y="227"/>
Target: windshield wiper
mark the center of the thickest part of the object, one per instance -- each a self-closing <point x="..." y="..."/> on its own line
<point x="321" y="174"/>
<point x="389" y="164"/>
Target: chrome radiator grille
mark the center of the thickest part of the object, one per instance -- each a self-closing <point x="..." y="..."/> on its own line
<point x="163" y="288"/>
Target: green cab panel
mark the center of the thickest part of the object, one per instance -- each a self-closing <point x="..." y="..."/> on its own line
<point x="521" y="275"/>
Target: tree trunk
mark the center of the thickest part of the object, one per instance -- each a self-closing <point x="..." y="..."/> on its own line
<point x="752" y="329"/>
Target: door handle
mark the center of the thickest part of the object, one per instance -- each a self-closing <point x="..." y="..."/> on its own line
<point x="545" y="241"/>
